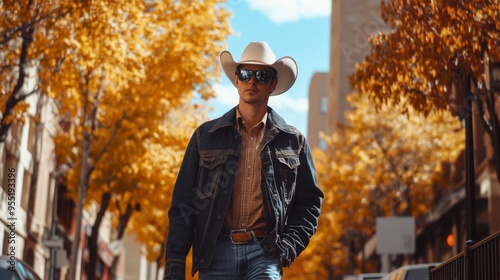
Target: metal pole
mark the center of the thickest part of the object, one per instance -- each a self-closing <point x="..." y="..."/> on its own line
<point x="470" y="183"/>
<point x="469" y="261"/>
<point x="469" y="168"/>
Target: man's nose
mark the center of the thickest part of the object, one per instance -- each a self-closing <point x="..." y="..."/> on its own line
<point x="253" y="79"/>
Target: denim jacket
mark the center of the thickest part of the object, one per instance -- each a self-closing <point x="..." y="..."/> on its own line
<point x="291" y="196"/>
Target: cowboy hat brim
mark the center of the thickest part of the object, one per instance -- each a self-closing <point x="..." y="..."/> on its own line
<point x="286" y="67"/>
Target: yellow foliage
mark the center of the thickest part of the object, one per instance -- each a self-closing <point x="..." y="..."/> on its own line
<point x="432" y="46"/>
<point x="381" y="163"/>
<point x="124" y="75"/>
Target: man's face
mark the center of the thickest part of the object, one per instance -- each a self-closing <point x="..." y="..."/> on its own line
<point x="259" y="86"/>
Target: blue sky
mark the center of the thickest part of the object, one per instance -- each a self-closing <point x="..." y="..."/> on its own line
<point x="296" y="28"/>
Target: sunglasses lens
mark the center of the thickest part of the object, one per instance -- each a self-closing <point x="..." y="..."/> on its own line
<point x="245" y="75"/>
<point x="262" y="76"/>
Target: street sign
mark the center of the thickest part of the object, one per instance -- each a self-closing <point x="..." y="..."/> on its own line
<point x="54" y="242"/>
<point x="395" y="235"/>
<point x="61" y="258"/>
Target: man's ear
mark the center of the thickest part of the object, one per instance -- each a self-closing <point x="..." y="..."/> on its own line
<point x="274" y="83"/>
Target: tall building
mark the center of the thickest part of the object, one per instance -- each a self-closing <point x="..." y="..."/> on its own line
<point x="352" y="22"/>
<point x="318" y="109"/>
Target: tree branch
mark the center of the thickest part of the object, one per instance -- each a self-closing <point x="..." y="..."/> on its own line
<point x="108" y="143"/>
<point x="17" y="96"/>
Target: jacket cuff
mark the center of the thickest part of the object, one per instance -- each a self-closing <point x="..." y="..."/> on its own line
<point x="288" y="255"/>
<point x="276" y="247"/>
<point x="175" y="269"/>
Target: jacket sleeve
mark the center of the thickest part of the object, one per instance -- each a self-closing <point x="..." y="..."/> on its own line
<point x="182" y="214"/>
<point x="303" y="220"/>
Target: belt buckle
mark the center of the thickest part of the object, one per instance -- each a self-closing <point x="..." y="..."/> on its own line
<point x="241" y="230"/>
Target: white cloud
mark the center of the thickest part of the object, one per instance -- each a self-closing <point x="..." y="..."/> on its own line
<point x="280" y="11"/>
<point x="286" y="104"/>
<point x="226" y="95"/>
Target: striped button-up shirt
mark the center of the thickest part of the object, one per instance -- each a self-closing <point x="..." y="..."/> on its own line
<point x="245" y="209"/>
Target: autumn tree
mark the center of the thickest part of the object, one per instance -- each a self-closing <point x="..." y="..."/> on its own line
<point x="27" y="30"/>
<point x="117" y="71"/>
<point x="380" y="163"/>
<point x="437" y="57"/>
<point x="154" y="173"/>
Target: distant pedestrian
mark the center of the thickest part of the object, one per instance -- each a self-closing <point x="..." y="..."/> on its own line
<point x="246" y="197"/>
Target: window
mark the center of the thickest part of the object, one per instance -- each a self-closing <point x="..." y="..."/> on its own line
<point x="5" y="248"/>
<point x="32" y="138"/>
<point x="25" y="198"/>
<point x="322" y="144"/>
<point x="16" y="131"/>
<point x="324" y="104"/>
<point x="3" y="167"/>
<point x="10" y="162"/>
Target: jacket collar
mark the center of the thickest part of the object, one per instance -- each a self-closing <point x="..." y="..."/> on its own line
<point x="273" y="121"/>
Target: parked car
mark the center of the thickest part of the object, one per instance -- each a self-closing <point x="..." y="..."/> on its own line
<point x="16" y="269"/>
<point x="365" y="276"/>
<point x="371" y="276"/>
<point x="410" y="272"/>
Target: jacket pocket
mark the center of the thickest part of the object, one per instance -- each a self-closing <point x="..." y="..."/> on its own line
<point x="289" y="162"/>
<point x="211" y="172"/>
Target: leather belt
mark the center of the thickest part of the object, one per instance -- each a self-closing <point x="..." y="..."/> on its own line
<point x="242" y="236"/>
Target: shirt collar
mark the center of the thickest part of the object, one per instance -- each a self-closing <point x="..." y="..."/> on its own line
<point x="229" y="119"/>
<point x="240" y="121"/>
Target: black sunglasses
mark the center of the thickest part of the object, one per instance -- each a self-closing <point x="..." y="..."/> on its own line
<point x="262" y="76"/>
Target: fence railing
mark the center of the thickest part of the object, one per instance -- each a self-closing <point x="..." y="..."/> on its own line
<point x="480" y="261"/>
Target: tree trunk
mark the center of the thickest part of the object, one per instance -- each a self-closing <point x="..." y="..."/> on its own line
<point x="94" y="236"/>
<point x="89" y="125"/>
<point x="122" y="225"/>
<point x="160" y="261"/>
<point x="82" y="196"/>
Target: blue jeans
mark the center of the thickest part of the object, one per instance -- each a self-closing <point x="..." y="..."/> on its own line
<point x="240" y="262"/>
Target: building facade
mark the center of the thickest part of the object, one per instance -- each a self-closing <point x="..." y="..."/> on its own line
<point x="352" y="22"/>
<point x="35" y="206"/>
<point x="318" y="109"/>
<point x="26" y="173"/>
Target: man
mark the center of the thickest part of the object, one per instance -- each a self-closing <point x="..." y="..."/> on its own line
<point x="246" y="197"/>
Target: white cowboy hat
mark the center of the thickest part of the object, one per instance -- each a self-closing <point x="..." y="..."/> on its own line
<point x="259" y="53"/>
